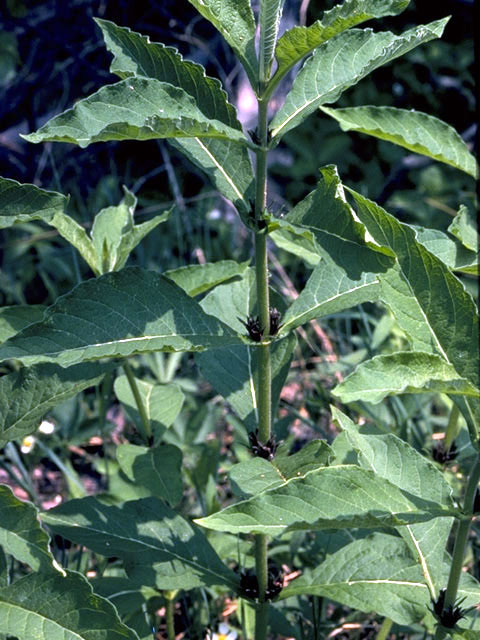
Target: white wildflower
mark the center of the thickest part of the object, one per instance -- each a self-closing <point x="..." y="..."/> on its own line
<point x="46" y="427"/>
<point x="27" y="444"/>
<point x="224" y="633"/>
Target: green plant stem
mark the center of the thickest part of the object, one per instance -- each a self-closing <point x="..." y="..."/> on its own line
<point x="452" y="427"/>
<point x="147" y="430"/>
<point x="170" y="611"/>
<point x="261" y="563"/>
<point x="264" y="374"/>
<point x="461" y="540"/>
<point x="384" y="629"/>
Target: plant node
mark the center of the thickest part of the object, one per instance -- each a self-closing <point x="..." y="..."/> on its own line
<point x="442" y="455"/>
<point x="275" y="317"/>
<point x="448" y="617"/>
<point x="262" y="450"/>
<point x="254" y="328"/>
<point x="249" y="583"/>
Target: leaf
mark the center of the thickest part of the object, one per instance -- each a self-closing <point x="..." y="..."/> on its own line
<point x="450" y="251"/>
<point x="338" y="497"/>
<point x="21" y="534"/>
<point x="135" y="55"/>
<point x="227" y="163"/>
<point x="328" y="291"/>
<point x="26" y="202"/>
<point x="445" y="309"/>
<point x="251" y="477"/>
<point x="159" y="547"/>
<point x="234" y="20"/>
<point x="115" y="235"/>
<point x="340" y="63"/>
<point x="26" y="395"/>
<point x="396" y="461"/>
<point x="52" y="607"/>
<point x="162" y="403"/>
<point x="13" y="319"/>
<point x="298" y="41"/>
<point x="464" y="228"/>
<point x="232" y="370"/>
<point x="195" y="279"/>
<point x="377" y="574"/>
<point x="298" y="241"/>
<point x="269" y="21"/>
<point x="228" y="166"/>
<point x="347" y="273"/>
<point x="117" y="315"/>
<point x="129" y="110"/>
<point x="156" y="468"/>
<point x="413" y="130"/>
<point x="403" y="372"/>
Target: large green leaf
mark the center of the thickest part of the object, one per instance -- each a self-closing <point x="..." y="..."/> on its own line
<point x="227" y="163"/>
<point x="253" y="476"/>
<point x="159" y="469"/>
<point x="232" y="371"/>
<point x="410" y="129"/>
<point x="27" y="395"/>
<point x="347" y="273"/>
<point x="396" y="461"/>
<point x="325" y="216"/>
<point x="298" y="41"/>
<point x="136" y="55"/>
<point x="158" y="545"/>
<point x="21" y="534"/>
<point x="450" y="251"/>
<point x="464" y="228"/>
<point x="375" y="574"/>
<point x="25" y="202"/>
<point x="52" y="607"/>
<point x="119" y="314"/>
<point x="162" y="403"/>
<point x="403" y="372"/>
<point x="329" y="290"/>
<point x="234" y="20"/>
<point x="436" y="297"/>
<point x="337" y="497"/>
<point x="134" y="109"/>
<point x="195" y="279"/>
<point x="15" y="318"/>
<point x="269" y="21"/>
<point x="340" y="63"/>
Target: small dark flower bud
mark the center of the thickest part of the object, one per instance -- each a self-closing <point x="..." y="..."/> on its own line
<point x="255" y="331"/>
<point x="262" y="450"/>
<point x="275" y="317"/>
<point x="442" y="455"/>
<point x="449" y="616"/>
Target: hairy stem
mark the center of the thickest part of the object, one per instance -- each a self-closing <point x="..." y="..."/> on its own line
<point x="147" y="430"/>
<point x="384" y="629"/>
<point x="461" y="540"/>
<point x="264" y="373"/>
<point x="170" y="610"/>
<point x="452" y="427"/>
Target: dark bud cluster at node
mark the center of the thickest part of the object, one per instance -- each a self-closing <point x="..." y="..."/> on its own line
<point x="255" y="329"/>
<point x="448" y="617"/>
<point x="275" y="317"/>
<point x="249" y="583"/>
<point x="442" y="455"/>
<point x="262" y="450"/>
